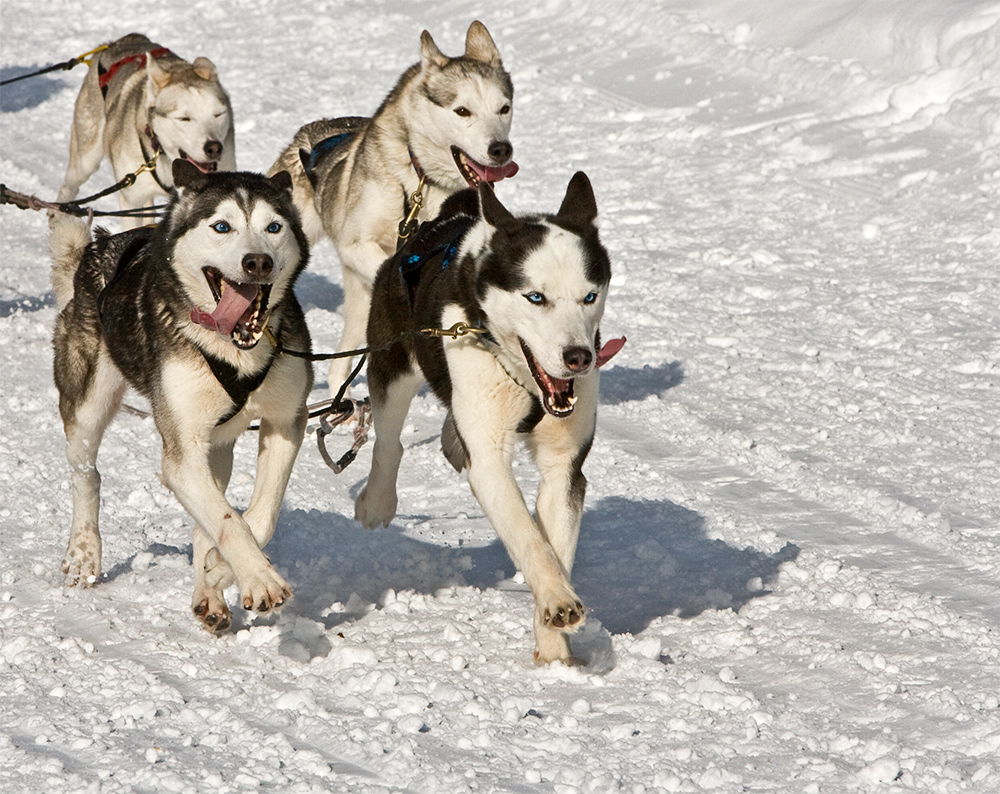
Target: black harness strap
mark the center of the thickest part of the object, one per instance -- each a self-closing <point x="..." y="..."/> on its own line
<point x="238" y="387"/>
<point x="311" y="158"/>
<point x="436" y="241"/>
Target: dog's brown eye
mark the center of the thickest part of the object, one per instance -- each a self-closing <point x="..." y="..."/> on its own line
<point x="463" y="112"/>
<point x="505" y="110"/>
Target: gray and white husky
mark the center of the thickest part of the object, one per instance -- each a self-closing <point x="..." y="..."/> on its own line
<point x="531" y="291"/>
<point x="447" y="120"/>
<point x="178" y="311"/>
<point x="137" y="99"/>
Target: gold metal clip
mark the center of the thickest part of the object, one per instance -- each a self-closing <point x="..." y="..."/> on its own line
<point x="457" y="330"/>
<point x="408" y="225"/>
<point x="149" y="165"/>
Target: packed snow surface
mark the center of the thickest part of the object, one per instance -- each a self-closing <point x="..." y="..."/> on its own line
<point x="791" y="549"/>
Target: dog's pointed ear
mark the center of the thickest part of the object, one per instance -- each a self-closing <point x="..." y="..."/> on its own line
<point x="187" y="176"/>
<point x="479" y="45"/>
<point x="205" y="69"/>
<point x="578" y="210"/>
<point x="430" y="55"/>
<point x="492" y="211"/>
<point x="159" y="77"/>
<point x="282" y="181"/>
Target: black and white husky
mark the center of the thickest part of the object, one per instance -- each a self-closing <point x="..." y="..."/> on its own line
<point x="531" y="290"/>
<point x="178" y="311"/>
<point x="447" y="120"/>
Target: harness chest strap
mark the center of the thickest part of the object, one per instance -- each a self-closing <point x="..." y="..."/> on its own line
<point x="238" y="387"/>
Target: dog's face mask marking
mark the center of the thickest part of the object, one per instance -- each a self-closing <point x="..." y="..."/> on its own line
<point x="190" y="114"/>
<point x="468" y="108"/>
<point x="543" y="290"/>
<point x="240" y="254"/>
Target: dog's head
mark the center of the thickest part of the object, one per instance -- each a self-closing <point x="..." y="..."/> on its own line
<point x="190" y="114"/>
<point x="541" y="282"/>
<point x="237" y="246"/>
<point x="462" y="109"/>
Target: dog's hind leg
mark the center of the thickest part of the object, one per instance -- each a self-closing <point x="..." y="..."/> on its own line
<point x="212" y="574"/>
<point x="376" y="505"/>
<point x="86" y="148"/>
<point x="85" y="419"/>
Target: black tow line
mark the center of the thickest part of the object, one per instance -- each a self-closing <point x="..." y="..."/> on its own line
<point x="26" y="202"/>
<point x="64" y="66"/>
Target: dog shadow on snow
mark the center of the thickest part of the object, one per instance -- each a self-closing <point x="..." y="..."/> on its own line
<point x="626" y="384"/>
<point x="27" y="93"/>
<point x="637" y="561"/>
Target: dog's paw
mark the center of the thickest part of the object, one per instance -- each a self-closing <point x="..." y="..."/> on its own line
<point x="264" y="591"/>
<point x="213" y="614"/>
<point x="81" y="567"/>
<point x="556" y="617"/>
<point x="561" y="655"/>
<point x="565" y="613"/>
<point x="553" y="646"/>
<point x="373" y="511"/>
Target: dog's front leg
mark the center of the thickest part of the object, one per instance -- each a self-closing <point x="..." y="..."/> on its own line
<point x="376" y="505"/>
<point x="187" y="473"/>
<point x="212" y="574"/>
<point x="560" y="447"/>
<point x="558" y="609"/>
<point x="277" y="447"/>
<point x="359" y="263"/>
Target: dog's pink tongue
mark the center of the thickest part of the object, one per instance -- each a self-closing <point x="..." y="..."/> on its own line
<point x="495" y="174"/>
<point x="235" y="300"/>
<point x="610" y="349"/>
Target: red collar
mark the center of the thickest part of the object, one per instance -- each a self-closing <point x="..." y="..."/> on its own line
<point x="104" y="77"/>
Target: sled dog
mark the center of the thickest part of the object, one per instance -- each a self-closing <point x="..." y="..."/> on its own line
<point x="447" y="122"/>
<point x="531" y="291"/>
<point x="139" y="100"/>
<point x="178" y="312"/>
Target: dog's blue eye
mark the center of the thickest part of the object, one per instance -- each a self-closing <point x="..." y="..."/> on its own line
<point x="273" y="228"/>
<point x="221" y="227"/>
<point x="590" y="298"/>
<point x="535" y="297"/>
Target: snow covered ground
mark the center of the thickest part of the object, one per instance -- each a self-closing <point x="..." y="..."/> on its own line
<point x="791" y="552"/>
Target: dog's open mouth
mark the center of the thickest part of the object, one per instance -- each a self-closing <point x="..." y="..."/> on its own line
<point x="240" y="311"/>
<point x="203" y="167"/>
<point x="557" y="394"/>
<point x="474" y="172"/>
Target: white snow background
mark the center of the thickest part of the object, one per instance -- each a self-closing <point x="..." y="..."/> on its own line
<point x="790" y="551"/>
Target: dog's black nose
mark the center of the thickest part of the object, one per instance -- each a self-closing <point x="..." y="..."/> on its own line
<point x="577" y="359"/>
<point x="258" y="265"/>
<point x="213" y="150"/>
<point x="500" y="151"/>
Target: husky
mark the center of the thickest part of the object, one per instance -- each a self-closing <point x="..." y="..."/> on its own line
<point x="141" y="104"/>
<point x="444" y="127"/>
<point x="178" y="311"/>
<point x="500" y="315"/>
